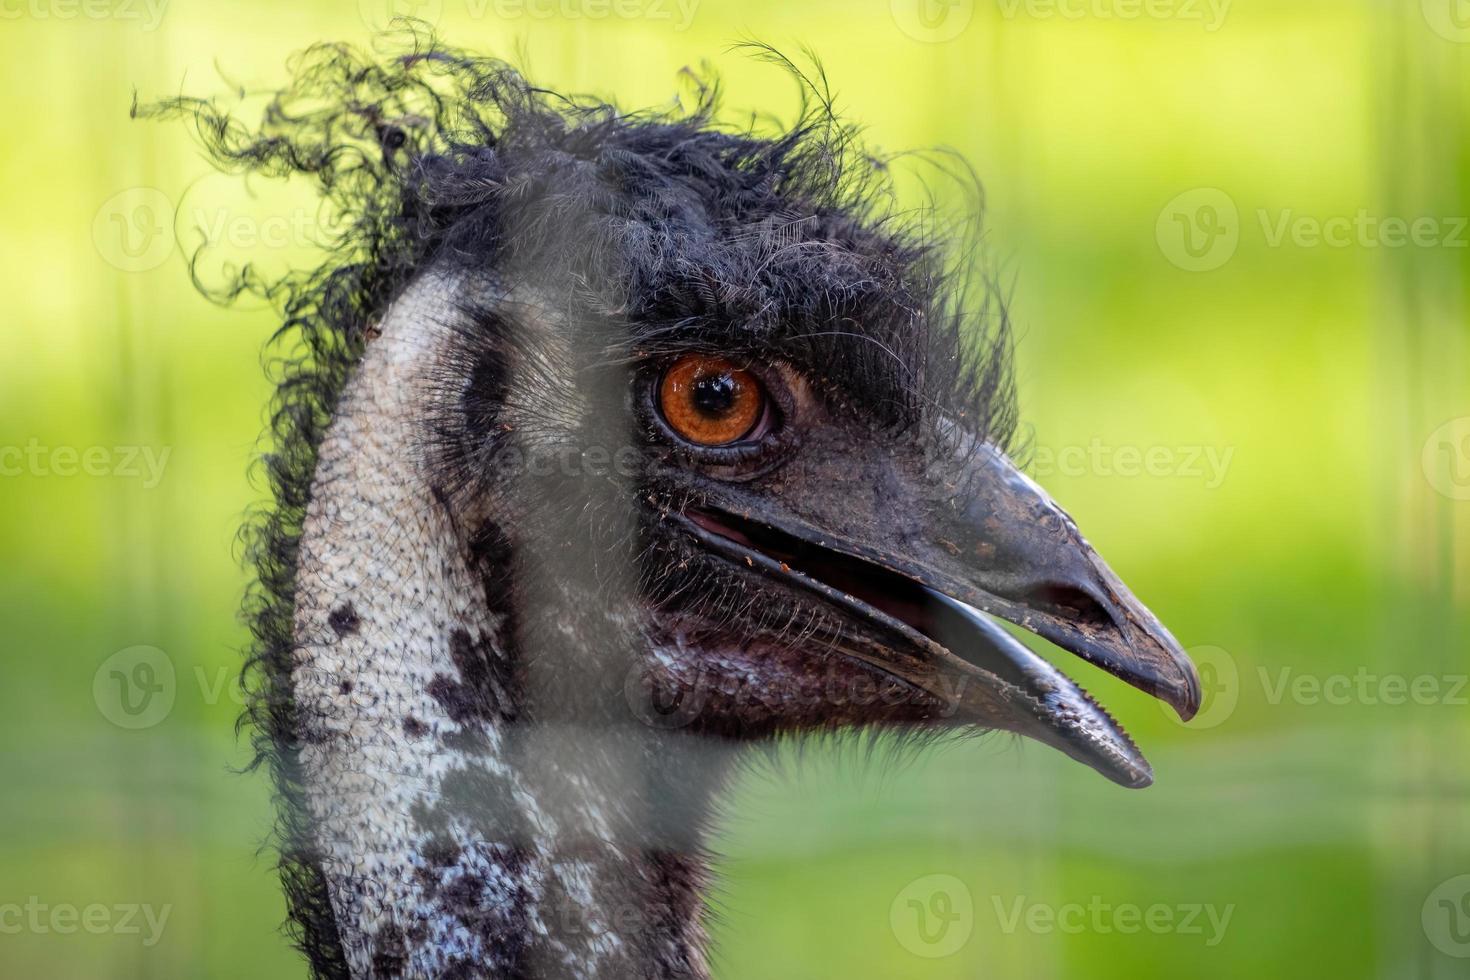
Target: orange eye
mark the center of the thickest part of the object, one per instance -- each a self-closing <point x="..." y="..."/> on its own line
<point x="710" y="401"/>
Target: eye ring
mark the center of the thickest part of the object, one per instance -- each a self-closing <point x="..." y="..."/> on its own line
<point x="710" y="401"/>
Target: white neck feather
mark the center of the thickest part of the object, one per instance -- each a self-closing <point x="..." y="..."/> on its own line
<point x="448" y="843"/>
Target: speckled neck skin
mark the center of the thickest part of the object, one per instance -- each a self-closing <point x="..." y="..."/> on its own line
<point x="481" y="806"/>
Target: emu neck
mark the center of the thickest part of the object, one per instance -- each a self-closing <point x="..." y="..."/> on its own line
<point x="472" y="804"/>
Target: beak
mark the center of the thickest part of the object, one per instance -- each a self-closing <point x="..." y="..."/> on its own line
<point x="1026" y="562"/>
<point x="1042" y="703"/>
<point x="989" y="541"/>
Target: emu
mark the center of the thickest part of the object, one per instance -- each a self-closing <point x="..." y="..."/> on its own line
<point x="612" y="446"/>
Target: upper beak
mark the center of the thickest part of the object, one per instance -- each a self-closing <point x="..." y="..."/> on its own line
<point x="1021" y="557"/>
<point x="992" y="542"/>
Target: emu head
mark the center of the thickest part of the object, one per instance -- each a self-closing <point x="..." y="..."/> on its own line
<point x="756" y="490"/>
<point x="745" y="458"/>
<point x="625" y="441"/>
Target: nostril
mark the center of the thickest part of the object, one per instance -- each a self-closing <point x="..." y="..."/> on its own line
<point x="1068" y="603"/>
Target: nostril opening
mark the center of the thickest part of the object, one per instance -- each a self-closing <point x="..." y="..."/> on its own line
<point x="1068" y="603"/>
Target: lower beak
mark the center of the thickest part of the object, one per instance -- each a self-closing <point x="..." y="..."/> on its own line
<point x="1038" y="700"/>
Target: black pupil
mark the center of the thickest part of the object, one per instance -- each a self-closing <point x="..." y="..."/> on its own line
<point x="714" y="394"/>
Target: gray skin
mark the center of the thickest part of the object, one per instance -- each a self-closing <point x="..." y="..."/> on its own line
<point x="516" y="711"/>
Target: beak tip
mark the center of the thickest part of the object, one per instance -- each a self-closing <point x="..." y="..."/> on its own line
<point x="1135" y="774"/>
<point x="1187" y="695"/>
<point x="1181" y="694"/>
<point x="1166" y="670"/>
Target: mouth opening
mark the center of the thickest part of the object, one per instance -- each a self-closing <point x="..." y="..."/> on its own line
<point x="1061" y="713"/>
<point x="889" y="592"/>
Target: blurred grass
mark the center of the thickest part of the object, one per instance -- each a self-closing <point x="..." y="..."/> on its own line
<point x="1323" y="550"/>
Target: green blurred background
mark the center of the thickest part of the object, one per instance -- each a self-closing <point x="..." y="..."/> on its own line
<point x="1264" y="428"/>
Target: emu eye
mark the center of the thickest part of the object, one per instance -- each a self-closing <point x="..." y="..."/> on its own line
<point x="710" y="401"/>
